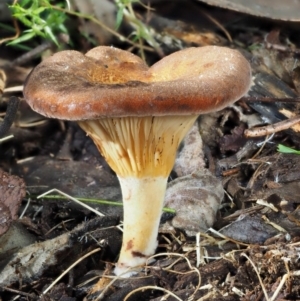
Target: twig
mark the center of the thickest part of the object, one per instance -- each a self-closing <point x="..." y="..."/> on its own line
<point x="198" y="250"/>
<point x="18" y="292"/>
<point x="25" y="208"/>
<point x="270" y="99"/>
<point x="272" y="128"/>
<point x="152" y="287"/>
<point x="13" y="89"/>
<point x="283" y="280"/>
<point x="259" y="278"/>
<point x="226" y="237"/>
<point x="32" y="53"/>
<point x="111" y="283"/>
<point x="6" y="138"/>
<point x="218" y="24"/>
<point x="69" y="268"/>
<point x="268" y="139"/>
<point x="193" y="269"/>
<point x="11" y="111"/>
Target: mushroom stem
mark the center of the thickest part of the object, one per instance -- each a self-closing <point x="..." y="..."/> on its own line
<point x="143" y="201"/>
<point x="142" y="151"/>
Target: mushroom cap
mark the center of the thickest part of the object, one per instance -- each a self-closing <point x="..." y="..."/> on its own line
<point x="109" y="82"/>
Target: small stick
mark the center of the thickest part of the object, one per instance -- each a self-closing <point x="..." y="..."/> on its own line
<point x="272" y="128"/>
<point x="18" y="292"/>
<point x="230" y="172"/>
<point x="68" y="269"/>
<point x="152" y="287"/>
<point x="13" y="89"/>
<point x="218" y="24"/>
<point x="6" y="138"/>
<point x="11" y="111"/>
<point x="270" y="99"/>
<point x="23" y="59"/>
<point x="259" y="278"/>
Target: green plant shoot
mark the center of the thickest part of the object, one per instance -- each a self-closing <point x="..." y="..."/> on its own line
<point x="40" y="19"/>
<point x="287" y="150"/>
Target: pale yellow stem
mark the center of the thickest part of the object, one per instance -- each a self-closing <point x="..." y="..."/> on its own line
<point x="143" y="201"/>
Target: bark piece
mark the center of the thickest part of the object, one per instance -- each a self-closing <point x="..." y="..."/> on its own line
<point x="12" y="191"/>
<point x="196" y="199"/>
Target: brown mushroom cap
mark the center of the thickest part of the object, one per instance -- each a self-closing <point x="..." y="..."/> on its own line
<point x="109" y="82"/>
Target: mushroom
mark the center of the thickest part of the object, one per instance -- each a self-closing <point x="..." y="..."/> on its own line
<point x="137" y="117"/>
